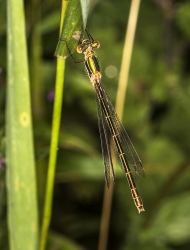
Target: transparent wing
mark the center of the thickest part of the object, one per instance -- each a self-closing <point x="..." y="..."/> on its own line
<point x="105" y="144"/>
<point x="133" y="160"/>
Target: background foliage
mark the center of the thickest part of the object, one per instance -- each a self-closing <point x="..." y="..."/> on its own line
<point x="156" y="117"/>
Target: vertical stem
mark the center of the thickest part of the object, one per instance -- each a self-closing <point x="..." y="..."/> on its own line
<point x="54" y="141"/>
<point x="126" y="58"/>
<point x="53" y="152"/>
<point x="105" y="219"/>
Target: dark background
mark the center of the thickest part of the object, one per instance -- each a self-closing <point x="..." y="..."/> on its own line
<point x="156" y="117"/>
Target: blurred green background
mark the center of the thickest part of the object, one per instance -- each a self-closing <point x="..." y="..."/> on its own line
<point x="156" y="117"/>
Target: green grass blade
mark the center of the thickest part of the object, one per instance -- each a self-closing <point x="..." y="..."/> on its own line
<point x="54" y="142"/>
<point x="71" y="18"/>
<point x="75" y="20"/>
<point x="85" y="8"/>
<point x="21" y="182"/>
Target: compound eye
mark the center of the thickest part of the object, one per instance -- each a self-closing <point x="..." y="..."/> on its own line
<point x="96" y="44"/>
<point x="79" y="49"/>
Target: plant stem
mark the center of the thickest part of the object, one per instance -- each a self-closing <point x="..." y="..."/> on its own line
<point x="60" y="71"/>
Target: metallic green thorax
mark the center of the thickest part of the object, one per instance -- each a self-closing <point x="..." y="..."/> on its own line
<point x="92" y="65"/>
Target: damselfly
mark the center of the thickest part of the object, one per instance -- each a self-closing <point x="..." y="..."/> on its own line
<point x="110" y="127"/>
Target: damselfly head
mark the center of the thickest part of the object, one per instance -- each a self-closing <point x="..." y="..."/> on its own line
<point x="86" y="43"/>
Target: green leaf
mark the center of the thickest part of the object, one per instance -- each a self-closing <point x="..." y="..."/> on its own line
<point x="85" y="8"/>
<point x="21" y="183"/>
<point x="74" y="23"/>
